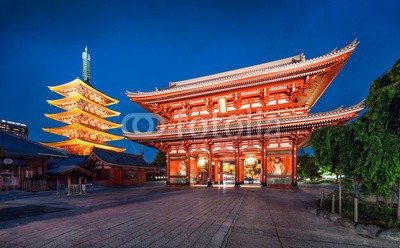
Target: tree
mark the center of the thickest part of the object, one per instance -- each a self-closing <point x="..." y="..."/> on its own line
<point x="368" y="149"/>
<point x="327" y="144"/>
<point x="383" y="123"/>
<point x="379" y="138"/>
<point x="160" y="159"/>
<point x="307" y="166"/>
<point x="384" y="101"/>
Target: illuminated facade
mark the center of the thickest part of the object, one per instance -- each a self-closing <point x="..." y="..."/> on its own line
<point x="85" y="113"/>
<point x="243" y="126"/>
<point x="16" y="128"/>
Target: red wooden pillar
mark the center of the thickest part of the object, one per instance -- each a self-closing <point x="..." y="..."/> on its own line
<point x="111" y="181"/>
<point x="197" y="171"/>
<point x="168" y="165"/>
<point x="94" y="177"/>
<point x="216" y="166"/>
<point x="294" y="162"/>
<point x="241" y="171"/>
<point x="221" y="172"/>
<point x="80" y="184"/>
<point x="236" y="146"/>
<point x="121" y="176"/>
<point x="210" y="171"/>
<point x="187" y="149"/>
<point x="69" y="184"/>
<point x="264" y="162"/>
<point x="116" y="176"/>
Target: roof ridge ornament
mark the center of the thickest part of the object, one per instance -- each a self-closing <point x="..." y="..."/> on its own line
<point x="86" y="66"/>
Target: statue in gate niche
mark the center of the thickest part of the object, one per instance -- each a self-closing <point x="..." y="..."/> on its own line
<point x="182" y="168"/>
<point x="277" y="166"/>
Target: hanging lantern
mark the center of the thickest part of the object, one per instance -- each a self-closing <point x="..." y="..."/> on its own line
<point x="251" y="161"/>
<point x="202" y="163"/>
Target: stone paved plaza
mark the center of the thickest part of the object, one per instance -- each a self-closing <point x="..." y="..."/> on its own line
<point x="158" y="216"/>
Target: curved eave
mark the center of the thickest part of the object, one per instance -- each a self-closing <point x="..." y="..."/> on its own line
<point x="77" y="112"/>
<point x="77" y="97"/>
<point x="73" y="142"/>
<point x="338" y="115"/>
<point x="77" y="126"/>
<point x="312" y="63"/>
<point x="70" y="85"/>
<point x="326" y="79"/>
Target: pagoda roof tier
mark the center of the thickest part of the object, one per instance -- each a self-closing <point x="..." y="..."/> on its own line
<point x="79" y="142"/>
<point x="250" y="128"/>
<point x="71" y="102"/>
<point x="73" y="129"/>
<point x="319" y="72"/>
<point x="77" y="86"/>
<point x="69" y="117"/>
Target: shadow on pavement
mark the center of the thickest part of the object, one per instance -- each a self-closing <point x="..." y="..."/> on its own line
<point x="13" y="213"/>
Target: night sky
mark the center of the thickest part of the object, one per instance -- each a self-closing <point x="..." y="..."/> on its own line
<point x="140" y="45"/>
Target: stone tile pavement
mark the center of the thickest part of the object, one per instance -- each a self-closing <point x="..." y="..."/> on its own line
<point x="159" y="216"/>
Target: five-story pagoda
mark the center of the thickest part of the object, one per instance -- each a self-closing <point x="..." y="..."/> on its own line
<point x="84" y="114"/>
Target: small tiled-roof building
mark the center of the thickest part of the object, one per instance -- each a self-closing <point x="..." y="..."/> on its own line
<point x="116" y="168"/>
<point x="22" y="160"/>
<point x="102" y="167"/>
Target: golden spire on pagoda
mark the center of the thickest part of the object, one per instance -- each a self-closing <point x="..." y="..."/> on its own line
<point x="85" y="115"/>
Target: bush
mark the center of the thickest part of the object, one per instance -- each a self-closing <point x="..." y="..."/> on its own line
<point x="368" y="213"/>
<point x="327" y="181"/>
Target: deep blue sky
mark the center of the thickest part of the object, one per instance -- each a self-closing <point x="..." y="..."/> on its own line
<point x="139" y="45"/>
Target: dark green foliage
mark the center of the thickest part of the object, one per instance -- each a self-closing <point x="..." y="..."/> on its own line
<point x="379" y="140"/>
<point x="160" y="159"/>
<point x="367" y="151"/>
<point x="369" y="213"/>
<point x="384" y="101"/>
<point x="307" y="167"/>
<point x="394" y="108"/>
<point x="326" y="143"/>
